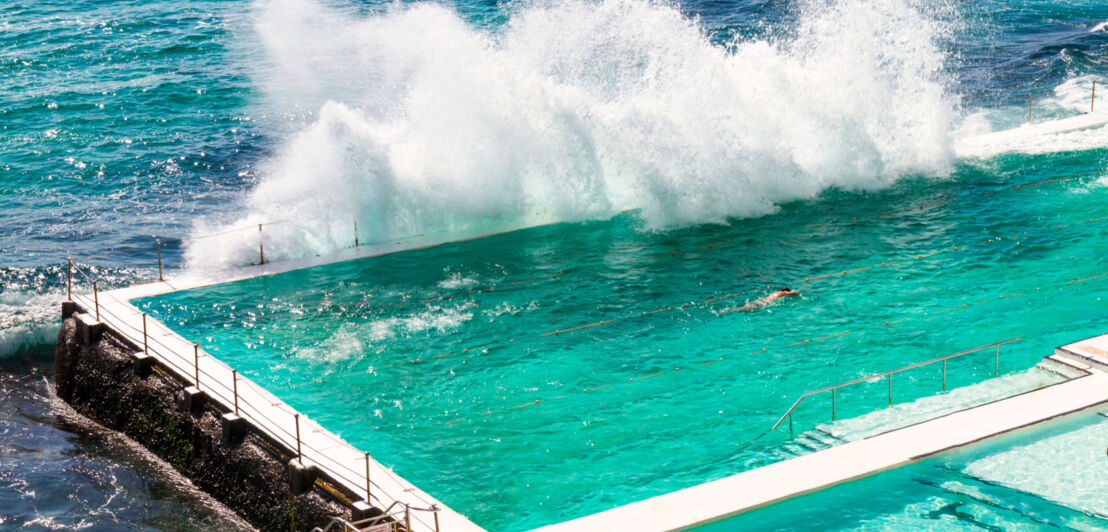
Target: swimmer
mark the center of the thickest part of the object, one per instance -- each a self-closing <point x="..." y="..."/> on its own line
<point x="762" y="302"/>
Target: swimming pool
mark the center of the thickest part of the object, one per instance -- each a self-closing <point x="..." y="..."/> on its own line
<point x="536" y="376"/>
<point x="1050" y="477"/>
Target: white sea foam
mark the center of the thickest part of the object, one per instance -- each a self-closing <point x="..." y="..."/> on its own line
<point x="1075" y="94"/>
<point x="974" y="139"/>
<point x="440" y="318"/>
<point x="27" y="320"/>
<point x="343" y="344"/>
<point x="578" y="109"/>
<point x="456" y="281"/>
<point x="1033" y="143"/>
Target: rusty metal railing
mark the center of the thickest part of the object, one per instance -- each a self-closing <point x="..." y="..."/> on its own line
<point x="226" y="390"/>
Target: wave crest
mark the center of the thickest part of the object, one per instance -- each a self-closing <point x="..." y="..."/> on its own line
<point x="420" y="122"/>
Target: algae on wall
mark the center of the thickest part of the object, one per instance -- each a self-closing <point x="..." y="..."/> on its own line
<point x="98" y="380"/>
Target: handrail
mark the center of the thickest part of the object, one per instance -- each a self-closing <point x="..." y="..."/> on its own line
<point x="346" y="525"/>
<point x="405" y="520"/>
<point x="889" y="374"/>
<point x="187" y="369"/>
<point x="1031" y="101"/>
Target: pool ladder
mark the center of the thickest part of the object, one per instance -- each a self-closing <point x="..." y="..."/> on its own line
<point x="388" y="521"/>
<point x="888" y="376"/>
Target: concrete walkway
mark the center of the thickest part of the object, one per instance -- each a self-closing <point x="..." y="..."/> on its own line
<point x="713" y="501"/>
<point x="327" y="451"/>
<point x="679" y="510"/>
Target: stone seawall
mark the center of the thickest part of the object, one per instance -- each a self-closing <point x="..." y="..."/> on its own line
<point x="97" y="373"/>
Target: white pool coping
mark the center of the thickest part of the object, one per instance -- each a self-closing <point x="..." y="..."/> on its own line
<point x="679" y="510"/>
<point x="720" y="499"/>
<point x="340" y="460"/>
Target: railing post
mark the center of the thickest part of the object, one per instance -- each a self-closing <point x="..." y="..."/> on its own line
<point x="435" y="509"/>
<point x="407" y="517"/>
<point x="196" y="363"/>
<point x="944" y="374"/>
<point x="145" y="341"/>
<point x="299" y="455"/>
<point x="367" y="477"/>
<point x="96" y="300"/>
<point x="1030" y="98"/>
<point x="790" y="423"/>
<point x="833" y="394"/>
<point x="235" y="388"/>
<point x="355" y="232"/>
<point x="890" y="389"/>
<point x="69" y="281"/>
<point x="159" y="246"/>
<point x="261" y="248"/>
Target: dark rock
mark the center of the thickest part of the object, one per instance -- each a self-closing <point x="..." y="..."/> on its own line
<point x="99" y="380"/>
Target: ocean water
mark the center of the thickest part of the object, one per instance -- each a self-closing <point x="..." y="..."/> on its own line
<point x="622" y="130"/>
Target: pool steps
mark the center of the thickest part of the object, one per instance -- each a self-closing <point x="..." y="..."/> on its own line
<point x="998" y="498"/>
<point x="1084" y="363"/>
<point x="1087" y="361"/>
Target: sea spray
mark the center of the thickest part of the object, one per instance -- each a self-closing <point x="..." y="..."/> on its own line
<point x="421" y="123"/>
<point x="28" y="321"/>
<point x="1070" y="98"/>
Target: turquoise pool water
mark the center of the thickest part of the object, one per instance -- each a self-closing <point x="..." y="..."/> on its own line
<point x="1048" y="478"/>
<point x="125" y="121"/>
<point x="425" y="358"/>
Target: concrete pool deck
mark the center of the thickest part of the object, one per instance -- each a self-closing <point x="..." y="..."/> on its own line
<point x="680" y="510"/>
<point x="683" y="509"/>
<point x="720" y="499"/>
<point x="317" y="446"/>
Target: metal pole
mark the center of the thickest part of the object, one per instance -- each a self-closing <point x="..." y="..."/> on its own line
<point x="367" y="477"/>
<point x="145" y="341"/>
<point x="407" y="517"/>
<point x="944" y="374"/>
<point x="159" y="244"/>
<point x="790" y="424"/>
<point x="69" y="281"/>
<point x="261" y="249"/>
<point x="890" y="389"/>
<point x="833" y="393"/>
<point x="435" y="509"/>
<point x="235" y="387"/>
<point x="196" y="363"/>
<point x="355" y="232"/>
<point x="1030" y="98"/>
<point x="96" y="300"/>
<point x="299" y="456"/>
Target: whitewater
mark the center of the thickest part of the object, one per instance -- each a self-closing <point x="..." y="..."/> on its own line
<point x="441" y="121"/>
<point x="421" y="122"/>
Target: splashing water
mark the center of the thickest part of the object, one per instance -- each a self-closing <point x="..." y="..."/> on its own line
<point x="1069" y="98"/>
<point x="423" y="123"/>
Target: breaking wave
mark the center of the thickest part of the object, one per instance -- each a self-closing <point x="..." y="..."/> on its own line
<point x="418" y="122"/>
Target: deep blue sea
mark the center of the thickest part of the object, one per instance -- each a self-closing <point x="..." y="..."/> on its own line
<point x="623" y="128"/>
